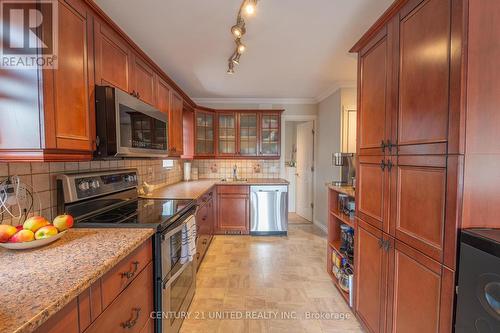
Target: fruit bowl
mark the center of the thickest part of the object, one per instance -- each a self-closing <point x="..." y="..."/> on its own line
<point x="33" y="244"/>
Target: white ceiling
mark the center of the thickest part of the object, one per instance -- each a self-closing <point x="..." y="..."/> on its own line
<point x="295" y="49"/>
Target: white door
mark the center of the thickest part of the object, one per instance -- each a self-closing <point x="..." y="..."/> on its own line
<point x="305" y="164"/>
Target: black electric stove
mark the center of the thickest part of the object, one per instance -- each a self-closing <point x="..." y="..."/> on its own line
<point x="139" y="212"/>
<point x="109" y="200"/>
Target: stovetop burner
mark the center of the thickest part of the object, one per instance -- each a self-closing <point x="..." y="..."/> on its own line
<point x="138" y="213"/>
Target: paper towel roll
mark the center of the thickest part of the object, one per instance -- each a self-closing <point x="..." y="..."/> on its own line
<point x="187" y="171"/>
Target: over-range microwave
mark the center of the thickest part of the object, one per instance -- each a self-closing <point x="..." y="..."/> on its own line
<point x="128" y="127"/>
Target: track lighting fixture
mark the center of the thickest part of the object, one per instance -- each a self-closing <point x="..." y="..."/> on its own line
<point x="230" y="69"/>
<point x="238" y="30"/>
<point x="250" y="6"/>
<point x="241" y="46"/>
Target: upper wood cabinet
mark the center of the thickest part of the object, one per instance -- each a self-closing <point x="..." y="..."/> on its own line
<point x="113" y="58"/>
<point x="404" y="87"/>
<point x="226" y="137"/>
<point x="270" y="134"/>
<point x="188" y="133"/>
<point x="62" y="127"/>
<point x="424" y="58"/>
<point x="373" y="118"/>
<point x="175" y="125"/>
<point x="248" y="143"/>
<point x="204" y="132"/>
<point x="143" y="81"/>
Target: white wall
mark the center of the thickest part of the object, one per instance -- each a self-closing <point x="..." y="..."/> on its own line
<point x="328" y="142"/>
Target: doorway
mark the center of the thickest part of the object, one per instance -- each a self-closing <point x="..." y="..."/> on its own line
<point x="299" y="169"/>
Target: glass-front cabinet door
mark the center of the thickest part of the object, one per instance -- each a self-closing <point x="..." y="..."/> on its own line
<point x="270" y="134"/>
<point x="227" y="134"/>
<point x="248" y="143"/>
<point x="204" y="134"/>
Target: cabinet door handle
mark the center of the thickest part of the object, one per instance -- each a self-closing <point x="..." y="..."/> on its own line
<point x="389" y="165"/>
<point x="389" y="145"/>
<point x="382" y="165"/>
<point x="387" y="245"/>
<point x="380" y="243"/>
<point x="382" y="145"/>
<point x="131" y="322"/>
<point x="131" y="274"/>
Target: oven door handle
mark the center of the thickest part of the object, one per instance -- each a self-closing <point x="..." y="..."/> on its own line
<point x="176" y="229"/>
<point x="167" y="283"/>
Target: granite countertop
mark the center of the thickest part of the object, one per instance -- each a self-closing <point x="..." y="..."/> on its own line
<point x="348" y="190"/>
<point x="36" y="284"/>
<point x="196" y="188"/>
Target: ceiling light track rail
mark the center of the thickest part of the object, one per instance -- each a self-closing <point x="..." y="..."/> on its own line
<point x="247" y="8"/>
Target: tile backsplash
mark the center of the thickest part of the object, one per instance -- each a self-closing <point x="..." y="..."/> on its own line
<point x="42" y="178"/>
<point x="245" y="168"/>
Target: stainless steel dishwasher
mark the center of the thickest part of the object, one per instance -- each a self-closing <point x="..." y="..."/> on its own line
<point x="269" y="210"/>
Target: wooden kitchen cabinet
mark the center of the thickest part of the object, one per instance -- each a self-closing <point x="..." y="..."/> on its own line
<point x="226" y="134"/>
<point x="113" y="58"/>
<point x="55" y="118"/>
<point x="371" y="262"/>
<point x="143" y="80"/>
<point x="424" y="58"/>
<point x="205" y="220"/>
<point x="120" y="301"/>
<point x="372" y="200"/>
<point x="421" y="292"/>
<point x="171" y="103"/>
<point x="248" y="143"/>
<point x="270" y="134"/>
<point x="204" y="133"/>
<point x="65" y="321"/>
<point x="374" y="132"/>
<point x="188" y="132"/>
<point x="233" y="209"/>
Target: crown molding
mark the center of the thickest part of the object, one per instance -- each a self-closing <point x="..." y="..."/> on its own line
<point x="338" y="85"/>
<point x="244" y="100"/>
<point x="276" y="101"/>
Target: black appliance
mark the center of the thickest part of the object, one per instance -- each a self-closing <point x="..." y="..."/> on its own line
<point x="126" y="126"/>
<point x="109" y="200"/>
<point x="478" y="301"/>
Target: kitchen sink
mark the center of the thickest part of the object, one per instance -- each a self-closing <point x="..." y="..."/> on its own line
<point x="232" y="180"/>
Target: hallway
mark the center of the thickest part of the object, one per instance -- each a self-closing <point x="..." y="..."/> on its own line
<point x="273" y="276"/>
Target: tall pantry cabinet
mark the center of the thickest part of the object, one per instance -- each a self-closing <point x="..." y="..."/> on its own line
<point x="414" y="100"/>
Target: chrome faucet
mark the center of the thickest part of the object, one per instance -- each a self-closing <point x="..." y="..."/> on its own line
<point x="235" y="172"/>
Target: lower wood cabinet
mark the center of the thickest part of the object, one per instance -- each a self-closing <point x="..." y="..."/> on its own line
<point x="233" y="209"/>
<point x="421" y="292"/>
<point x="131" y="310"/>
<point x="399" y="289"/>
<point x="121" y="301"/>
<point x="371" y="274"/>
<point x="205" y="219"/>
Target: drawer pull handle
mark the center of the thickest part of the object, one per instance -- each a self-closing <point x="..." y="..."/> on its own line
<point x="131" y="274"/>
<point x="205" y="241"/>
<point x="131" y="323"/>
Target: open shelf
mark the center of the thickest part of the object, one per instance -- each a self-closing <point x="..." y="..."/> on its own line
<point x="344" y="218"/>
<point x="342" y="292"/>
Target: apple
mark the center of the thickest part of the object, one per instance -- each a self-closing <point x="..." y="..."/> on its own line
<point x="34" y="223"/>
<point x="63" y="222"/>
<point x="6" y="232"/>
<point x="22" y="236"/>
<point x="46" y="232"/>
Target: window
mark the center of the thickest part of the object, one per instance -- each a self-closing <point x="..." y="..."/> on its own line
<point x="168" y="164"/>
